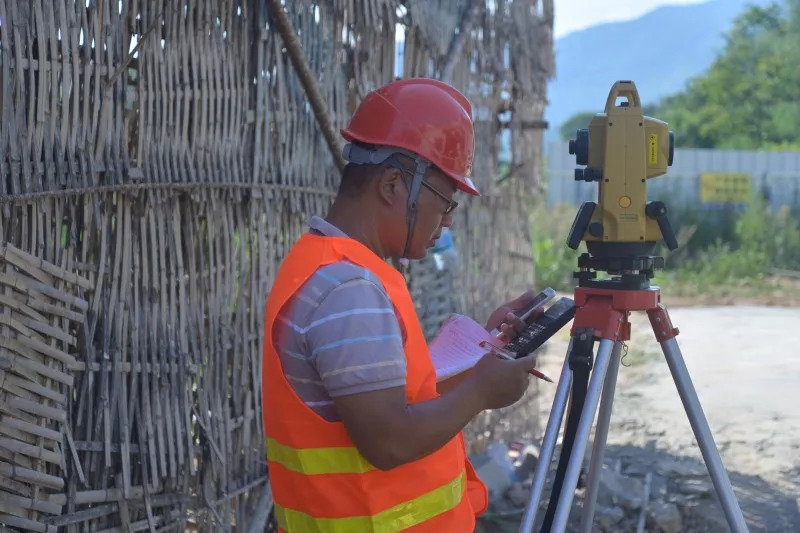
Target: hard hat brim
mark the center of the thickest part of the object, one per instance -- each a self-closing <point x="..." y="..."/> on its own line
<point x="463" y="183"/>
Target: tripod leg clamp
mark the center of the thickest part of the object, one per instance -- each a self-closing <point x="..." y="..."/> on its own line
<point x="581" y="357"/>
<point x="662" y="325"/>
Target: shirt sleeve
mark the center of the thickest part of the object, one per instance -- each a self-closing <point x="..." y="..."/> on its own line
<point x="355" y="341"/>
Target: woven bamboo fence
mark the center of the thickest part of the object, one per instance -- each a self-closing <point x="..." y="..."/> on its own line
<point x="157" y="160"/>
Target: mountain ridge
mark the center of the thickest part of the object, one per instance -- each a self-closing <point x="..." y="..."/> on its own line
<point x="660" y="51"/>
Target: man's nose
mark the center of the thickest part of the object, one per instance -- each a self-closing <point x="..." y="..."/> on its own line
<point x="447" y="220"/>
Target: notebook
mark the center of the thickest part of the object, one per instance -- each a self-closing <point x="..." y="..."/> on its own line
<point x="457" y="346"/>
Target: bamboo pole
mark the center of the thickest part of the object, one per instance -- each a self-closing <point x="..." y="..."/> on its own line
<point x="457" y="42"/>
<point x="290" y="39"/>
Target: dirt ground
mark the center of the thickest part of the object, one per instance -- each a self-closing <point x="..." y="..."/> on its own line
<point x="744" y="361"/>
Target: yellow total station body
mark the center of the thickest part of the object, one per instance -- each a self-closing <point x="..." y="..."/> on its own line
<point x="622" y="148"/>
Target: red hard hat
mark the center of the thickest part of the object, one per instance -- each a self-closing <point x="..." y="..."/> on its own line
<point x="424" y="116"/>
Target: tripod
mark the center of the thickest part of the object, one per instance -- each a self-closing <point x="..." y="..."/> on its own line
<point x="603" y="310"/>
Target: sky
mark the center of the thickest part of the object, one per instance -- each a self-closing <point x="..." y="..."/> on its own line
<point x="573" y="15"/>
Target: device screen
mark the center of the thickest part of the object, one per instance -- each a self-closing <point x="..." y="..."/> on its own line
<point x="538" y="301"/>
<point x="544" y="327"/>
<point x="564" y="305"/>
<point x="526" y="313"/>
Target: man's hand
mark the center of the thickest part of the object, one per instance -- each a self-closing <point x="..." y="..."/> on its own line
<point x="506" y="317"/>
<point x="500" y="382"/>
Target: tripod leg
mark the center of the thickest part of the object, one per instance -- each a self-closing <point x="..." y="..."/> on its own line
<point x="702" y="433"/>
<point x="600" y="436"/>
<point x="582" y="434"/>
<point x="548" y="445"/>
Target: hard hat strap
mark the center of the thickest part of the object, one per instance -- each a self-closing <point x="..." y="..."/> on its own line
<point x="358" y="154"/>
<point x="413" y="196"/>
<point x="361" y="155"/>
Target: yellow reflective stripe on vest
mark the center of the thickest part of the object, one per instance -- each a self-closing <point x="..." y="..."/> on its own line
<point x="402" y="516"/>
<point x="341" y="460"/>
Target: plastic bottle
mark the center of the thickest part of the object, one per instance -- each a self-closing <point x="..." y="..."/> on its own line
<point x="445" y="253"/>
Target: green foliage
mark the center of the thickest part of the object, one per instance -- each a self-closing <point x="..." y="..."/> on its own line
<point x="728" y="248"/>
<point x="750" y="96"/>
<point x="748" y="245"/>
<point x="555" y="262"/>
<point x="576" y="122"/>
<point x="784" y="242"/>
<point x="722" y="264"/>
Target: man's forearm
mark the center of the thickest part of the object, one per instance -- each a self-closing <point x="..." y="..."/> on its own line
<point x="427" y="426"/>
<point x="389" y="431"/>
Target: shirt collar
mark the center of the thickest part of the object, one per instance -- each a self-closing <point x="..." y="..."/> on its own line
<point x="323" y="227"/>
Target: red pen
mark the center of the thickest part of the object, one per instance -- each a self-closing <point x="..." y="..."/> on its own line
<point x="540" y="375"/>
<point x="505" y="355"/>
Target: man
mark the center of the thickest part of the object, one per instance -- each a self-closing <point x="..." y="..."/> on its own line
<point x="359" y="436"/>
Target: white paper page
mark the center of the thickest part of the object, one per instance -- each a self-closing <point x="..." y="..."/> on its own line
<point x="456" y="347"/>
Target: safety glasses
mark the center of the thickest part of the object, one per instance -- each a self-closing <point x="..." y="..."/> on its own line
<point x="451" y="204"/>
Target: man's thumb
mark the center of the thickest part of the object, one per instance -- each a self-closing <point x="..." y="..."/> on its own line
<point x="525" y="298"/>
<point x="528" y="362"/>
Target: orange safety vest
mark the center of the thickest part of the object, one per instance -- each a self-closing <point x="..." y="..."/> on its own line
<point x="320" y="481"/>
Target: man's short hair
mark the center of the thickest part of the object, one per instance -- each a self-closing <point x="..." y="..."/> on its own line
<point x="355" y="179"/>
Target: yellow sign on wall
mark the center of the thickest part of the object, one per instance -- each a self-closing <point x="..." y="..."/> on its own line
<point x="725" y="187"/>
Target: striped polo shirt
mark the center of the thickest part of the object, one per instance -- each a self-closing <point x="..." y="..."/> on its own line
<point x="339" y="334"/>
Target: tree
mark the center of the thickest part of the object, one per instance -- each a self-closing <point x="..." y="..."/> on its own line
<point x="575" y="122"/>
<point x="750" y="96"/>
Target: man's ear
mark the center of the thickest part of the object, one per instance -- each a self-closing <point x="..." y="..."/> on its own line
<point x="391" y="188"/>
